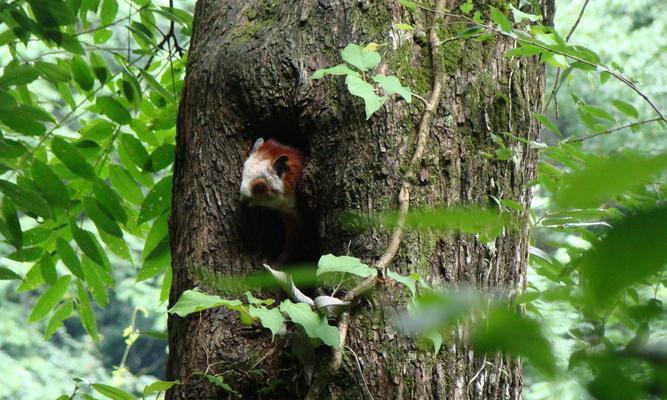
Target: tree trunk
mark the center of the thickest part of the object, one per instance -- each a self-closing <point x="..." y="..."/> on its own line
<point x="248" y="77"/>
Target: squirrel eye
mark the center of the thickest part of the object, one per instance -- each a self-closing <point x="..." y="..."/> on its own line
<point x="259" y="188"/>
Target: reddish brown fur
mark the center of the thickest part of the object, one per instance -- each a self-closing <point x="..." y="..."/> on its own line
<point x="271" y="150"/>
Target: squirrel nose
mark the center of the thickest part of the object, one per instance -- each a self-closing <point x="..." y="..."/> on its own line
<point x="259" y="189"/>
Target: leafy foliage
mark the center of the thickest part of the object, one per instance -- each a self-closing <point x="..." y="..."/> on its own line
<point x="365" y="59"/>
<point x="87" y="132"/>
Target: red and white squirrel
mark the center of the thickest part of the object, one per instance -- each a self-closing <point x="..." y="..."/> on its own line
<point x="270" y="178"/>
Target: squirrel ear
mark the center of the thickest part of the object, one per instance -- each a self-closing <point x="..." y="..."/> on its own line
<point x="280" y="164"/>
<point x="258" y="143"/>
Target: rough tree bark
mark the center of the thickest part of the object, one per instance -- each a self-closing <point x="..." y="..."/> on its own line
<point x="247" y="77"/>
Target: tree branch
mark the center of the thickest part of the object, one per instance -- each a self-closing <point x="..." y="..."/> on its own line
<point x="556" y="87"/>
<point x="403" y="198"/>
<point x="618" y="128"/>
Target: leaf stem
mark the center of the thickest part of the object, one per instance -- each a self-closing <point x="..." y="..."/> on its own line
<point x="618" y="128"/>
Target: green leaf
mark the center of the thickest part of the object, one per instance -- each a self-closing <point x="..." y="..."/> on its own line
<point x="504" y="154"/>
<point x="499" y="18"/>
<point x="54" y="73"/>
<point x="11" y="148"/>
<point x="69" y="258"/>
<point x="158" y="233"/>
<point x="159" y="386"/>
<point x="629" y="253"/>
<point x="13" y="233"/>
<point x="436" y="340"/>
<point x="598" y="112"/>
<point x="466" y="7"/>
<point x="519" y="15"/>
<point x="7" y="102"/>
<point x="470" y="32"/>
<point x="98" y="130"/>
<point x="95" y="284"/>
<point x="489" y="222"/>
<point x="110" y="201"/>
<point x="340" y="69"/>
<point x="316" y="326"/>
<point x="100" y="68"/>
<point x="344" y="264"/>
<point x="137" y="152"/>
<point x="626" y="108"/>
<point x="71" y="44"/>
<point x="62" y="313"/>
<point x="26" y="254"/>
<point x="410" y="5"/>
<point x="50" y="185"/>
<point x="82" y="74"/>
<point x="162" y="157"/>
<point x="48" y="269"/>
<point x="166" y="285"/>
<point x="86" y="314"/>
<point x="156" y="261"/>
<point x="89" y="245"/>
<point x="33" y="280"/>
<point x="391" y="85"/>
<point x="113" y="109"/>
<point x="19" y="75"/>
<point x="7" y="274"/>
<point x="547" y="124"/>
<point x="72" y="158"/>
<point x="407" y="281"/>
<point x="517" y="335"/>
<point x="102" y="36"/>
<point x="125" y="184"/>
<point x="192" y="301"/>
<point x="117" y="246"/>
<point x="112" y="392"/>
<point x="157" y="201"/>
<point x="602" y="179"/>
<point x="152" y="82"/>
<point x="52" y="13"/>
<point x="404" y="27"/>
<point x="49" y="299"/>
<point x="360" y="57"/>
<point x="360" y="88"/>
<point x="102" y="219"/>
<point x="217" y="381"/>
<point x="34" y="112"/>
<point x="271" y="319"/>
<point x="132" y="91"/>
<point x="66" y="95"/>
<point x="108" y="11"/>
<point x="25" y="198"/>
<point x="525" y="50"/>
<point x="22" y="121"/>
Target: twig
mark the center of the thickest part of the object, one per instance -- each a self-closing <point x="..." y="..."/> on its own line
<point x="556" y="87"/>
<point x="361" y="372"/>
<point x="422" y="136"/>
<point x="171" y="34"/>
<point x="576" y="23"/>
<point x="403" y="198"/>
<point x="618" y="128"/>
<point x="600" y="67"/>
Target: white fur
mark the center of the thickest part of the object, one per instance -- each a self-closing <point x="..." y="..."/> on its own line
<point x="256" y="167"/>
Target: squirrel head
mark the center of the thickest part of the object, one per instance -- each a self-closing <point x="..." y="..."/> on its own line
<point x="267" y="172"/>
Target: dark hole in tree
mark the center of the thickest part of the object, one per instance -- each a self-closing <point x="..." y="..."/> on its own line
<point x="264" y="233"/>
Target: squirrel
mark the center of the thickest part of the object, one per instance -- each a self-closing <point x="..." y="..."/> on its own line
<point x="270" y="177"/>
